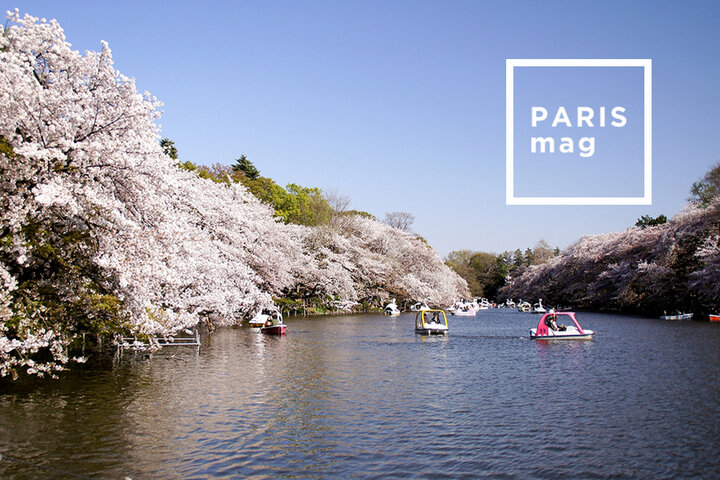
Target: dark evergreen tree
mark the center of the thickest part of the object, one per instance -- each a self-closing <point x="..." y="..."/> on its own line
<point x="648" y="221"/>
<point x="244" y="165"/>
<point x="168" y="147"/>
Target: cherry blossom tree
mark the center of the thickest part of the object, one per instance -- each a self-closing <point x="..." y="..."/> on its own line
<point x="102" y="232"/>
<point x="666" y="267"/>
<point x="400" y="220"/>
<point x="83" y="162"/>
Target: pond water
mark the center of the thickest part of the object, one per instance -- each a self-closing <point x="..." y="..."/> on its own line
<point x="365" y="397"/>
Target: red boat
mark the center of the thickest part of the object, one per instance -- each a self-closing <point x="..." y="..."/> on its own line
<point x="274" y="329"/>
<point x="715" y="318"/>
<point x="274" y="325"/>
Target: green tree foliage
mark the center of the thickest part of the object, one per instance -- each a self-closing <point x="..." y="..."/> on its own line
<point x="518" y="260"/>
<point x="706" y="189"/>
<point x="270" y="192"/>
<point x="62" y="249"/>
<point x="459" y="260"/>
<point x="5" y="148"/>
<point x="311" y="207"/>
<point x="500" y="273"/>
<point x="217" y="173"/>
<point x="245" y="166"/>
<point x="484" y="272"/>
<point x="293" y="204"/>
<point x="541" y="253"/>
<point x="648" y="221"/>
<point x="360" y="213"/>
<point x="529" y="257"/>
<point x="168" y="147"/>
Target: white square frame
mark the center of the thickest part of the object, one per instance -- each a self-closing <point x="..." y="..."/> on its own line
<point x="510" y="64"/>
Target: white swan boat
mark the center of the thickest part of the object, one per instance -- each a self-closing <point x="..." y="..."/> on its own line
<point x="262" y="316"/>
<point x="419" y="306"/>
<point x="465" y="309"/>
<point x="484" y="304"/>
<point x="431" y="322"/>
<point x="548" y="328"/>
<point x="538" y="307"/>
<point x="391" y="309"/>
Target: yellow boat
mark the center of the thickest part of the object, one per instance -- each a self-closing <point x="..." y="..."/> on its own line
<point x="431" y="322"/>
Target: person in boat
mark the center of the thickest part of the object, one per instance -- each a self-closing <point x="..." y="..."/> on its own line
<point x="551" y="322"/>
<point x="435" y="318"/>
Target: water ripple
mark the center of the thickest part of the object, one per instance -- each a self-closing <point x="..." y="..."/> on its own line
<point x="364" y="397"/>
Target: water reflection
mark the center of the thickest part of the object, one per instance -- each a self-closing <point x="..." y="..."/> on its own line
<point x="366" y="396"/>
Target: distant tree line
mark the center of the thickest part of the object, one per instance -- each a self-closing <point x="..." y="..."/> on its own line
<point x="486" y="272"/>
<point x="660" y="265"/>
<point x="292" y="204"/>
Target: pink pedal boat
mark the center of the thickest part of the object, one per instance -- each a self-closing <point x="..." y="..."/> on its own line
<point x="549" y="328"/>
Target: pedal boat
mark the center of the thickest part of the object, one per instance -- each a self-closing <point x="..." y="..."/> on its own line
<point x="258" y="321"/>
<point x="677" y="316"/>
<point x="538" y="307"/>
<point x="431" y="322"/>
<point x="571" y="331"/>
<point x="524" y="307"/>
<point x="419" y="306"/>
<point x="391" y="309"/>
<point x="464" y="309"/>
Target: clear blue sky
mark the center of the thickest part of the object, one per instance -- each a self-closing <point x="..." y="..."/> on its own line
<point x="401" y="104"/>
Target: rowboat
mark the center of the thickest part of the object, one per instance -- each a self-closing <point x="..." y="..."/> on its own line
<point x="274" y="325"/>
<point x="278" y="329"/>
